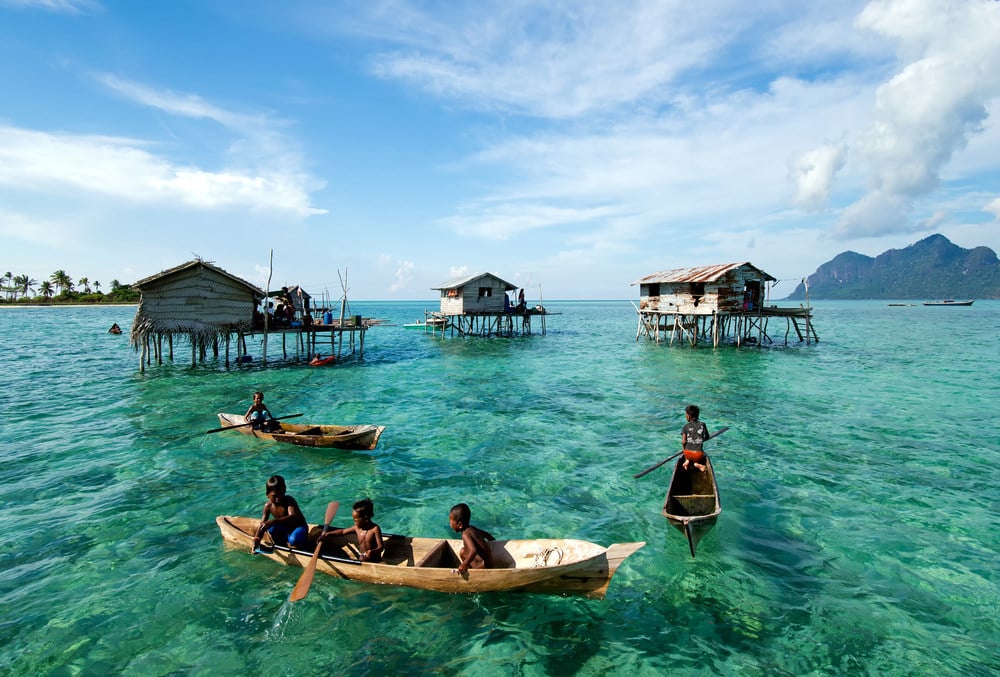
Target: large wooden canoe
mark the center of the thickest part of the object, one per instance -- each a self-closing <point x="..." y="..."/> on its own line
<point x="551" y="565"/>
<point x="340" y="436"/>
<point x="692" y="501"/>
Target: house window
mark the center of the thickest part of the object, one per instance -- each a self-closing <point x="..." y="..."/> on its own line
<point x="452" y="293"/>
<point x="485" y="292"/>
<point x="653" y="289"/>
<point x="697" y="291"/>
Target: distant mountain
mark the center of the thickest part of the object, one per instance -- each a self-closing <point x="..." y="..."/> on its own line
<point x="933" y="268"/>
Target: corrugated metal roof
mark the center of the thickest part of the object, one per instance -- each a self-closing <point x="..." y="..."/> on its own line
<point x="454" y="284"/>
<point x="698" y="274"/>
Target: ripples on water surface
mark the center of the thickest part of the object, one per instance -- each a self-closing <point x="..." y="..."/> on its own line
<point x="849" y="543"/>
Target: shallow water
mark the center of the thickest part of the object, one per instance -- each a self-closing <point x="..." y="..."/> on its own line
<point x="849" y="543"/>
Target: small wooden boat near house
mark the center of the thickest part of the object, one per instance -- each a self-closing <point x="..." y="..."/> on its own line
<point x="304" y="435"/>
<point x="692" y="502"/>
<point x="548" y="565"/>
<point x="431" y="323"/>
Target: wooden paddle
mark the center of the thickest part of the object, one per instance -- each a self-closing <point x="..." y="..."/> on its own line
<point x="230" y="427"/>
<point x="301" y="588"/>
<point x="670" y="458"/>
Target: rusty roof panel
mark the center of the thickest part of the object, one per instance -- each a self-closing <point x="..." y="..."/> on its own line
<point x="697" y="274"/>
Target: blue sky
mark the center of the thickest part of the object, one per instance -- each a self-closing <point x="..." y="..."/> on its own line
<point x="569" y="147"/>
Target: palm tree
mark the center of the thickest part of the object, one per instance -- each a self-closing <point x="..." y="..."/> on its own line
<point x="16" y="284"/>
<point x="97" y="286"/>
<point x="115" y="284"/>
<point x="27" y="285"/>
<point x="7" y="276"/>
<point x="62" y="280"/>
<point x="85" y="283"/>
<point x="46" y="289"/>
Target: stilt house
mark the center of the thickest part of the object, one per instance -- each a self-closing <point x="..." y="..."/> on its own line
<point x="478" y="305"/>
<point x="713" y="302"/>
<point x="196" y="299"/>
<point x="482" y="293"/>
<point x="704" y="290"/>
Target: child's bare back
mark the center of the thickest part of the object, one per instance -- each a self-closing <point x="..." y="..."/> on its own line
<point x="475" y="552"/>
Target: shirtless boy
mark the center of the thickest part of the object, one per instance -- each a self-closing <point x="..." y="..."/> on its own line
<point x="282" y="518"/>
<point x="368" y="533"/>
<point x="475" y="552"/>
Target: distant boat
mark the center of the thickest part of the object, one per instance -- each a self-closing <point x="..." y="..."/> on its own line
<point x="902" y="304"/>
<point x="948" y="302"/>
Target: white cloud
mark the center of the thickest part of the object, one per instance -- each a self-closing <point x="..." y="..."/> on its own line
<point x="403" y="276"/>
<point x="813" y="173"/>
<point x="455" y="272"/>
<point x="124" y="169"/>
<point x="994" y="208"/>
<point x="559" y="60"/>
<point x="930" y="109"/>
<point x="16" y="227"/>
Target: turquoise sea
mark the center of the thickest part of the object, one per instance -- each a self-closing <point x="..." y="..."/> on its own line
<point x="860" y="482"/>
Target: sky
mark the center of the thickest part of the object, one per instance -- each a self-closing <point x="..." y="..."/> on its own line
<point x="388" y="147"/>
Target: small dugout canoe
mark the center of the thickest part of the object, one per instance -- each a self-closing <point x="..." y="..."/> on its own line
<point x="692" y="501"/>
<point x="363" y="437"/>
<point x="554" y="566"/>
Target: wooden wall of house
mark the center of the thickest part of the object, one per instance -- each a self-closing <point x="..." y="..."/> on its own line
<point x="724" y="295"/>
<point x="200" y="296"/>
<point x="468" y="300"/>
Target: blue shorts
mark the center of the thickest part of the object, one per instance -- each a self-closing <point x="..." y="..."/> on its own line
<point x="297" y="539"/>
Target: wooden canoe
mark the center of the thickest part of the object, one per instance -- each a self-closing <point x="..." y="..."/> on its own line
<point x="340" y="436"/>
<point x="692" y="501"/>
<point x="550" y="566"/>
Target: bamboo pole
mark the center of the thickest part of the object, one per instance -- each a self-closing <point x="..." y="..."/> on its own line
<point x="267" y="290"/>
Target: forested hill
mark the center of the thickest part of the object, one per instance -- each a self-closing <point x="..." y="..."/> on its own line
<point x="932" y="268"/>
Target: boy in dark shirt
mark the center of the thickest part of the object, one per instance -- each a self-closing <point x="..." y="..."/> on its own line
<point x="693" y="435"/>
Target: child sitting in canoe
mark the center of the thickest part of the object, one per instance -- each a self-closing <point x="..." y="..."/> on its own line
<point x="259" y="416"/>
<point x="475" y="552"/>
<point x="693" y="435"/>
<point x="282" y="519"/>
<point x="369" y="534"/>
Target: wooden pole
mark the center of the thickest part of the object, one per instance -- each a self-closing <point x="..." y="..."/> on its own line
<point x="267" y="291"/>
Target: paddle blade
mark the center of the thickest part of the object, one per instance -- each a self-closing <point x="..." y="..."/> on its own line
<point x="301" y="588"/>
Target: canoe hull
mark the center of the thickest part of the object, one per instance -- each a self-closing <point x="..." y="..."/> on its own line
<point x="566" y="566"/>
<point x="354" y="437"/>
<point x="692" y="502"/>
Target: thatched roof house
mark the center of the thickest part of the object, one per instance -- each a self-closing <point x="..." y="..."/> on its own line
<point x="703" y="290"/>
<point x="195" y="298"/>
<point x="481" y="293"/>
